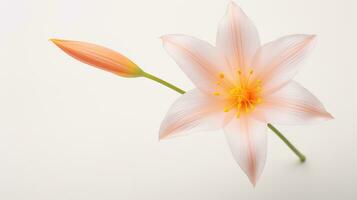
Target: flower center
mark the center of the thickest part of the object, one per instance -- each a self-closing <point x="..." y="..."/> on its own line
<point x="245" y="95"/>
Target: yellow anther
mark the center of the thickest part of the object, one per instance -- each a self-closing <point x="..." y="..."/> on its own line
<point x="258" y="88"/>
<point x="236" y="91"/>
<point x="240" y="72"/>
<point x="240" y="99"/>
<point x="251" y="71"/>
<point x="259" y="100"/>
<point x="221" y="75"/>
<point x="216" y="93"/>
<point x="238" y="114"/>
<point x="232" y="91"/>
<point x="226" y="110"/>
<point x="218" y="83"/>
<point x="247" y="108"/>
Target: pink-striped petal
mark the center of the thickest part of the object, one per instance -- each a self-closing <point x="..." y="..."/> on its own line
<point x="276" y="63"/>
<point x="292" y="105"/>
<point x="193" y="111"/>
<point x="199" y="60"/>
<point x="237" y="38"/>
<point x="248" y="141"/>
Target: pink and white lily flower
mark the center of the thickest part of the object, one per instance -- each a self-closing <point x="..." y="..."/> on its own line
<point x="241" y="86"/>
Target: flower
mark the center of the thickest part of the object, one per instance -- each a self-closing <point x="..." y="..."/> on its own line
<point x="100" y="57"/>
<point x="241" y="86"/>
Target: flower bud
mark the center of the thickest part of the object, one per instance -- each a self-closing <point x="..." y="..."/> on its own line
<point x="100" y="57"/>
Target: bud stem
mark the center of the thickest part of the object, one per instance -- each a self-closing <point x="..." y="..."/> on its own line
<point x="159" y="80"/>
<point x="275" y="130"/>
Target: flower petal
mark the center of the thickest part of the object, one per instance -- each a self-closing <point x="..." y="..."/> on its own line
<point x="291" y="105"/>
<point x="248" y="141"/>
<point x="277" y="62"/>
<point x="100" y="57"/>
<point x="193" y="111"/>
<point x="200" y="61"/>
<point x="237" y="38"/>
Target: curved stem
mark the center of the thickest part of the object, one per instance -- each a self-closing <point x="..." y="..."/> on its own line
<point x="275" y="130"/>
<point x="159" y="80"/>
<point x="286" y="141"/>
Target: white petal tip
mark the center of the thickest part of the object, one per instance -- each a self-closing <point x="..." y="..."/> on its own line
<point x="232" y="3"/>
<point x="313" y="37"/>
<point x="253" y="180"/>
<point x="326" y="115"/>
<point x="163" y="37"/>
<point x="167" y="37"/>
<point x="163" y="136"/>
<point x="253" y="183"/>
<point x="329" y="116"/>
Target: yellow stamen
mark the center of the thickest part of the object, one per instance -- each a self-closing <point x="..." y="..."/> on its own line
<point x="247" y="109"/>
<point x="221" y="75"/>
<point x="238" y="113"/>
<point x="258" y="88"/>
<point x="244" y="96"/>
<point x="239" y="105"/>
<point x="259" y="100"/>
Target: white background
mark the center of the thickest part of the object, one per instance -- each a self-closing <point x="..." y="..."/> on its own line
<point x="69" y="131"/>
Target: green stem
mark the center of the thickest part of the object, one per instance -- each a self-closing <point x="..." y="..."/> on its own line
<point x="159" y="80"/>
<point x="286" y="141"/>
<point x="275" y="130"/>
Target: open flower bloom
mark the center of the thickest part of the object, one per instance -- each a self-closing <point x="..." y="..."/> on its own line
<point x="100" y="57"/>
<point x="241" y="86"/>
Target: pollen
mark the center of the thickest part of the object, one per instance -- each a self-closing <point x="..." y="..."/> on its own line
<point x="221" y="75"/>
<point x="220" y="79"/>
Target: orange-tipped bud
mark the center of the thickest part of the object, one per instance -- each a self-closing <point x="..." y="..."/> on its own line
<point x="99" y="57"/>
